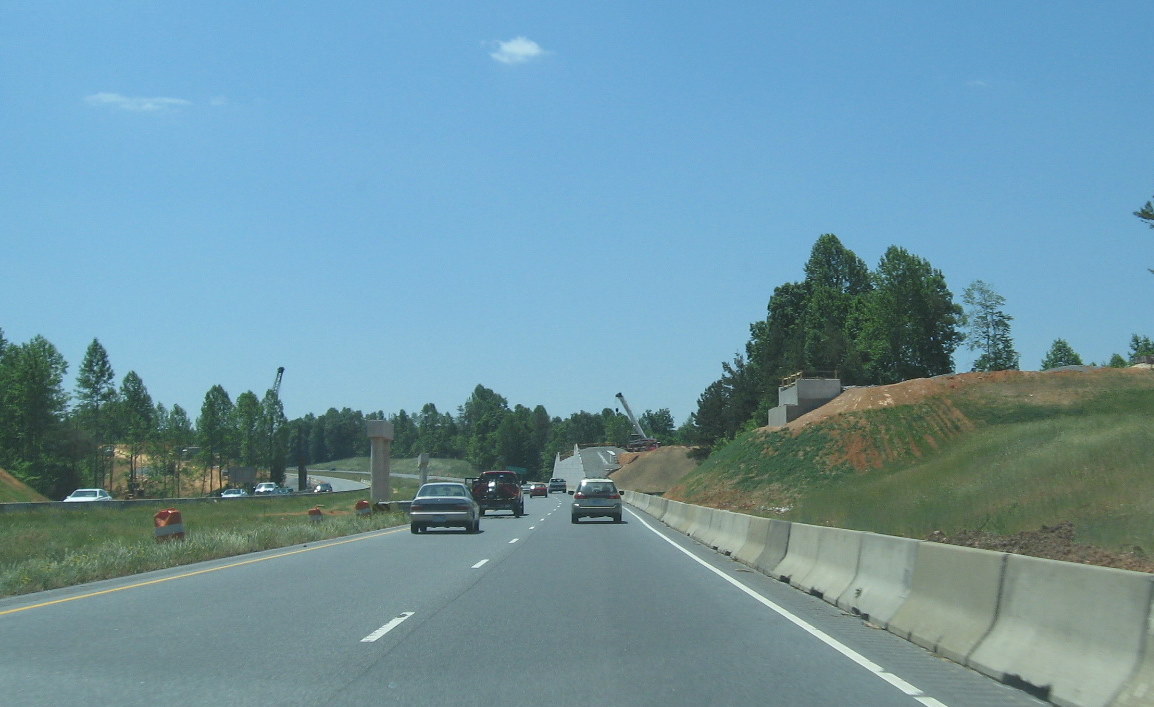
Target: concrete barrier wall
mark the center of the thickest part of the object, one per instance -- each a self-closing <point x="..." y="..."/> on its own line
<point x="1139" y="689"/>
<point x="953" y="599"/>
<point x="884" y="575"/>
<point x="677" y="516"/>
<point x="701" y="517"/>
<point x="756" y="538"/>
<point x="657" y="507"/>
<point x="801" y="553"/>
<point x="732" y="531"/>
<point x="776" y="547"/>
<point x="1076" y="630"/>
<point x="835" y="565"/>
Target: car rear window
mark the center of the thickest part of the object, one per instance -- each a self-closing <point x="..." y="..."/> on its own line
<point x="598" y="488"/>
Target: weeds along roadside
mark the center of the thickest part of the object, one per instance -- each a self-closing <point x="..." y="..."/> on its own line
<point x="51" y="549"/>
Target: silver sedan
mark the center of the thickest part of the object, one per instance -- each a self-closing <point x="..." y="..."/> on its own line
<point x="444" y="505"/>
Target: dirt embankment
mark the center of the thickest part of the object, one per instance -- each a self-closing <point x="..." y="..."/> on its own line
<point x="1051" y="542"/>
<point x="653" y="472"/>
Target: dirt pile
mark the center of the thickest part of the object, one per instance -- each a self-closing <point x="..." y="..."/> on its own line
<point x="653" y="472"/>
<point x="1052" y="542"/>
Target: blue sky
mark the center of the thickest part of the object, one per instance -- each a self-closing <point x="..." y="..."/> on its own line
<point x="560" y="201"/>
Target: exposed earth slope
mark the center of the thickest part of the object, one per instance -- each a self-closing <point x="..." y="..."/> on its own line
<point x="655" y="471"/>
<point x="1052" y="463"/>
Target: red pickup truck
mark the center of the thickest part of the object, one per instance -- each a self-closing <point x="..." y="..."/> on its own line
<point x="498" y="490"/>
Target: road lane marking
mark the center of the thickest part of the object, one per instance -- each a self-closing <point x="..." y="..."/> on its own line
<point x="186" y="575"/>
<point x="387" y="627"/>
<point x="532" y="527"/>
<point x="480" y="564"/>
<point x="812" y="630"/>
<point x="513" y="540"/>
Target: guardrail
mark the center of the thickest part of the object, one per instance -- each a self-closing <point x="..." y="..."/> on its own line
<point x="1072" y="634"/>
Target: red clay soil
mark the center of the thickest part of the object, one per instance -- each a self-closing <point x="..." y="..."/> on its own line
<point x="1051" y="542"/>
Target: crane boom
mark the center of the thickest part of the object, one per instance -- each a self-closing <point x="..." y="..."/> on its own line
<point x="629" y="414"/>
<point x="639" y="442"/>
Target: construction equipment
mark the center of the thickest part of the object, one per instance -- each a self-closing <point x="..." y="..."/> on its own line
<point x="639" y="441"/>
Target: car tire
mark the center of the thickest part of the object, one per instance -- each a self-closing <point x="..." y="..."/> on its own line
<point x="573" y="519"/>
<point x="414" y="528"/>
<point x="476" y="526"/>
<point x="617" y="518"/>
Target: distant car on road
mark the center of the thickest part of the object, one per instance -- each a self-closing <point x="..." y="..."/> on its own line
<point x="444" y="505"/>
<point x="282" y="491"/>
<point x="264" y="488"/>
<point x="558" y="485"/>
<point x="88" y="496"/>
<point x="538" y="489"/>
<point x="323" y="487"/>
<point x="596" y="497"/>
<point x="233" y="493"/>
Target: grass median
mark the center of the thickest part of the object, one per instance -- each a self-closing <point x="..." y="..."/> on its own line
<point x="53" y="548"/>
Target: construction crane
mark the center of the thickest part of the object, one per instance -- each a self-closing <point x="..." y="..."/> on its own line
<point x="638" y="442"/>
<point x="276" y="383"/>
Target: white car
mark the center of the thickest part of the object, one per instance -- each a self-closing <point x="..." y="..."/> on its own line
<point x="264" y="487"/>
<point x="88" y="495"/>
<point x="233" y="493"/>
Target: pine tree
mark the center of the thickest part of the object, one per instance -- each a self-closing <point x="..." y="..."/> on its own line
<point x="989" y="329"/>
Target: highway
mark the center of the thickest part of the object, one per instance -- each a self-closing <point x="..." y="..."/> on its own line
<point x="531" y="611"/>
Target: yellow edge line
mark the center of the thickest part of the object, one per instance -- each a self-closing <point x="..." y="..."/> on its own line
<point x="193" y="574"/>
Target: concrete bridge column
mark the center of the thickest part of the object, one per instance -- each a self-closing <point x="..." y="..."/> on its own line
<point x="380" y="434"/>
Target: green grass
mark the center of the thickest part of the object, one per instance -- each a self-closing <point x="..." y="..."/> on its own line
<point x="1004" y="457"/>
<point x="456" y="468"/>
<point x="49" y="548"/>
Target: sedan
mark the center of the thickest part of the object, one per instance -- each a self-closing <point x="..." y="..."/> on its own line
<point x="88" y="495"/>
<point x="323" y="487"/>
<point x="539" y="489"/>
<point x="596" y="497"/>
<point x="233" y="493"/>
<point x="444" y="505"/>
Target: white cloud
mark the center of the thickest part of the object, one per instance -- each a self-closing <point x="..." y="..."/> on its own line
<point x="517" y="51"/>
<point x="138" y="104"/>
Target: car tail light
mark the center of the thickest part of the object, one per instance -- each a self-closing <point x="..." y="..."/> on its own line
<point x="416" y="507"/>
<point x="578" y="495"/>
<point x="614" y="495"/>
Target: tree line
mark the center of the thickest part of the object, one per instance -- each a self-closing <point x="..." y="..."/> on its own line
<point x="895" y="322"/>
<point x="56" y="441"/>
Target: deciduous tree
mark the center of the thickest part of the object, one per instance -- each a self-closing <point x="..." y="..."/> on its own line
<point x="1060" y="354"/>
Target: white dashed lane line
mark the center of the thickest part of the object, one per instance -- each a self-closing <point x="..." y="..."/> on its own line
<point x="480" y="564"/>
<point x="387" y="627"/>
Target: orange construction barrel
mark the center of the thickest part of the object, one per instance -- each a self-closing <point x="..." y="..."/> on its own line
<point x="169" y="525"/>
<point x="364" y="508"/>
<point x="315" y="514"/>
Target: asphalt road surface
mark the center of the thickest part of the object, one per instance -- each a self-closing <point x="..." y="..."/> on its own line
<point x="531" y="611"/>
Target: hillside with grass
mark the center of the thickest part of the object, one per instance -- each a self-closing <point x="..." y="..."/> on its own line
<point x="976" y="455"/>
<point x="13" y="490"/>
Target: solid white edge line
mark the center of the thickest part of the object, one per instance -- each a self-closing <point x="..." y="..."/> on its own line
<point x="480" y="564"/>
<point x="387" y="627"/>
<point x="817" y="633"/>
